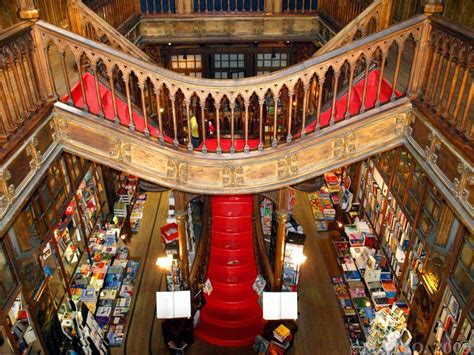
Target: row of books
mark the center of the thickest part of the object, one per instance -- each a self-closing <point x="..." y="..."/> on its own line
<point x="106" y="286"/>
<point x="322" y="208"/>
<point x="137" y="212"/>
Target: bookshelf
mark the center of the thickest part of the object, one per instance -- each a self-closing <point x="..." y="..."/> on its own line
<point x="402" y="174"/>
<point x="447" y="322"/>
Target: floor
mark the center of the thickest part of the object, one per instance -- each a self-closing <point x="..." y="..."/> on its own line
<point x="321" y="329"/>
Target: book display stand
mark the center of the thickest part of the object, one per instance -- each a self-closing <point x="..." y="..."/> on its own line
<point x="388" y="333"/>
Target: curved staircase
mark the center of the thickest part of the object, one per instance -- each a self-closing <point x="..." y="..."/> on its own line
<point x="232" y="316"/>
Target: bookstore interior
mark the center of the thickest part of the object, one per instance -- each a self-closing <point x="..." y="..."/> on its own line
<point x="69" y="279"/>
<point x="236" y="177"/>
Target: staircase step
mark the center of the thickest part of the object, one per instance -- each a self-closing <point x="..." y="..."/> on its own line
<point x="232" y="260"/>
<point x="245" y="277"/>
<point x="230" y="252"/>
<point x="226" y="336"/>
<point x="215" y="269"/>
<point x="231" y="224"/>
<point x="231" y="209"/>
<point x="232" y="318"/>
<point x="232" y="244"/>
<point x="232" y="236"/>
<point x="229" y="294"/>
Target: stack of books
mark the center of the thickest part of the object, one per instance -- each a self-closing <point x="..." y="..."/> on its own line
<point x="281" y="333"/>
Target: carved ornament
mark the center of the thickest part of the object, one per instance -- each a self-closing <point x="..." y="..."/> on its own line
<point x="233" y="176"/>
<point x="177" y="170"/>
<point x="288" y="166"/>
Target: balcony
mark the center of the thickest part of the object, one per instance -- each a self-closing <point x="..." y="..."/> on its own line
<point x="114" y="105"/>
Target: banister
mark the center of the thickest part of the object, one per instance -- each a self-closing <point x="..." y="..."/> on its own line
<point x="466" y="34"/>
<point x="267" y="91"/>
<point x="12" y="32"/>
<point x="202" y="250"/>
<point x="100" y="26"/>
<point x="270" y="277"/>
<point x="286" y="75"/>
<point x="361" y="22"/>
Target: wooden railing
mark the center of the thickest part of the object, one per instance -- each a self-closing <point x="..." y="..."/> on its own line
<point x="245" y="107"/>
<point x="115" y="12"/>
<point x="448" y="85"/>
<point x="86" y="22"/>
<point x="367" y="22"/>
<point x="341" y="12"/>
<point x="266" y="270"/>
<point x="158" y="7"/>
<point x="243" y="111"/>
<point x="20" y="94"/>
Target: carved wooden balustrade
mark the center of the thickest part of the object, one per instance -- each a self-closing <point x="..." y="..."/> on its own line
<point x="341" y="12"/>
<point x="116" y="12"/>
<point x="365" y="23"/>
<point x="448" y="87"/>
<point x="86" y="22"/>
<point x="20" y="96"/>
<point x="251" y="113"/>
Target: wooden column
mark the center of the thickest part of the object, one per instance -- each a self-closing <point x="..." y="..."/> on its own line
<point x="385" y="14"/>
<point x="183" y="248"/>
<point x="188" y="6"/>
<point x="74" y="17"/>
<point x="180" y="6"/>
<point x="277" y="6"/>
<point x="282" y="218"/>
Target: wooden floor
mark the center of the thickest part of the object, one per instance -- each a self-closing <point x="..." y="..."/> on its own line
<point x="321" y="329"/>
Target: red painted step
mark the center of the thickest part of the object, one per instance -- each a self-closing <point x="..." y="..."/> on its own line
<point x="232" y="316"/>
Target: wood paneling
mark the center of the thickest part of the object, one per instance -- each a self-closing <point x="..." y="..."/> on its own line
<point x="233" y="29"/>
<point x="460" y="11"/>
<point x="19" y="168"/>
<point x="44" y="138"/>
<point x="420" y="133"/>
<point x="447" y="162"/>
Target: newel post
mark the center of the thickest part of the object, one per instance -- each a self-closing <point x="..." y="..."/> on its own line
<point x="385" y="14"/>
<point x="28" y="10"/>
<point x="74" y="17"/>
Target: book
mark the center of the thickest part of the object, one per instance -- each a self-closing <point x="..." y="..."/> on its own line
<point x="280" y="305"/>
<point x="281" y="333"/>
<point x="176" y="304"/>
<point x="207" y="288"/>
<point x="259" y="284"/>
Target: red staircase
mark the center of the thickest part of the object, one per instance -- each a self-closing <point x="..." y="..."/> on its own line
<point x="231" y="316"/>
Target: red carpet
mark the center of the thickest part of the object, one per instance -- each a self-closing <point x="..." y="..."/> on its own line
<point x="107" y="105"/>
<point x="231" y="316"/>
<point x="211" y="144"/>
<point x="356" y="101"/>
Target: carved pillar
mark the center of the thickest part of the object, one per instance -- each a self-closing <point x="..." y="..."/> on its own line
<point x="385" y="14"/>
<point x="188" y="6"/>
<point x="28" y="10"/>
<point x="183" y="248"/>
<point x="277" y="6"/>
<point x="282" y="218"/>
<point x="74" y="17"/>
<point x="41" y="60"/>
<point x="180" y="6"/>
